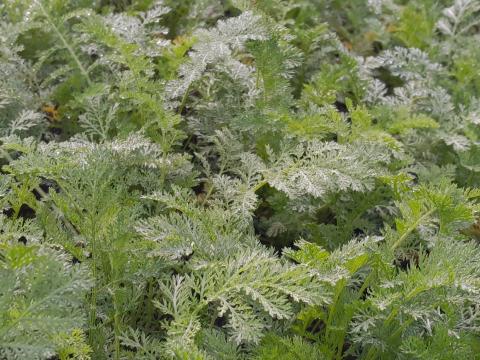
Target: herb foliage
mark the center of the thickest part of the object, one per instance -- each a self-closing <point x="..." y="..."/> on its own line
<point x="271" y="179"/>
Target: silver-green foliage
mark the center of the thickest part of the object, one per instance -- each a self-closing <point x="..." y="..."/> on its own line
<point x="238" y="181"/>
<point x="41" y="294"/>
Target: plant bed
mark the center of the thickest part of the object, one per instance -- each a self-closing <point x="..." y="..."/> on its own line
<point x="271" y="179"/>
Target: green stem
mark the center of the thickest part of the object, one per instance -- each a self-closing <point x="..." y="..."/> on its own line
<point x="94" y="251"/>
<point x="65" y="44"/>
<point x="402" y="238"/>
<point x="259" y="185"/>
<point x="366" y="284"/>
<point x="372" y="352"/>
<point x="207" y="196"/>
<point x="315" y="327"/>
<point x="339" y="337"/>
<point x="116" y="324"/>
<point x="93" y="299"/>
<point x="340" y="346"/>
<point x="150" y="301"/>
<point x="116" y="312"/>
<point x="401" y="328"/>
<point x="331" y="312"/>
<point x="184" y="99"/>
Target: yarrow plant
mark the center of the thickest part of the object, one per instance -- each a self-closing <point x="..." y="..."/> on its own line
<point x="239" y="179"/>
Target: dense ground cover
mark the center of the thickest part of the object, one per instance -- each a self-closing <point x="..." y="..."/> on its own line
<point x="269" y="179"/>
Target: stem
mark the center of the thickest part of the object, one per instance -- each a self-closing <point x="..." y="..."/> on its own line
<point x="116" y="324"/>
<point x="315" y="327"/>
<point x="391" y="317"/>
<point x="209" y="193"/>
<point x="93" y="299"/>
<point x="116" y="312"/>
<point x="401" y="328"/>
<point x="339" y="337"/>
<point x="366" y="283"/>
<point x="340" y="347"/>
<point x="402" y="238"/>
<point x="150" y="301"/>
<point x="259" y="185"/>
<point x="66" y="44"/>
<point x="331" y="313"/>
<point x="470" y="178"/>
<point x="372" y="352"/>
<point x="184" y="99"/>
